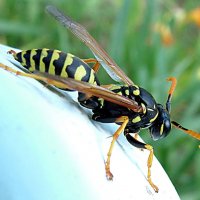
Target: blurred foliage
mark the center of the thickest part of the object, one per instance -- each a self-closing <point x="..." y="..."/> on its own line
<point x="150" y="40"/>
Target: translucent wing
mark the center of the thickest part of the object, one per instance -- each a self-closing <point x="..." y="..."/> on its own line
<point x="93" y="90"/>
<point x="109" y="65"/>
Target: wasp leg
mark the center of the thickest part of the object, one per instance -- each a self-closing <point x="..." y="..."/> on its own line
<point x="124" y="120"/>
<point x="90" y="102"/>
<point x="136" y="136"/>
<point x="87" y="100"/>
<point x="35" y="76"/>
<point x="139" y="144"/>
<point x="96" y="63"/>
<point x="103" y="118"/>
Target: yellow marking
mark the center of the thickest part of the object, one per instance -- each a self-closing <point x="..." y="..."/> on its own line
<point x="54" y="57"/>
<point x="143" y="108"/>
<point x="92" y="78"/>
<point x="127" y="92"/>
<point x="32" y="62"/>
<point x="14" y="55"/>
<point x="161" y="129"/>
<point x="120" y="93"/>
<point x="136" y="92"/>
<point x="80" y="73"/>
<point x="153" y="119"/>
<point x="42" y="64"/>
<point x="136" y="119"/>
<point x="71" y="55"/>
<point x="101" y="101"/>
<point x="68" y="61"/>
<point x="23" y="59"/>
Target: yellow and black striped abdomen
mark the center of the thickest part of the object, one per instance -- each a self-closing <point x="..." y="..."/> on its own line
<point x="58" y="63"/>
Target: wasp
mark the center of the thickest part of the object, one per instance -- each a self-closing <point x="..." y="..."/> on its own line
<point x="131" y="107"/>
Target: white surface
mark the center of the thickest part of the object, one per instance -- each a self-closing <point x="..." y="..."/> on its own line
<point x="51" y="150"/>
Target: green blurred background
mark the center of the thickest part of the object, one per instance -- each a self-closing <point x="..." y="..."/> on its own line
<point x="150" y="40"/>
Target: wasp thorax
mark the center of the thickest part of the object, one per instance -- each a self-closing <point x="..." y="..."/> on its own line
<point x="134" y="90"/>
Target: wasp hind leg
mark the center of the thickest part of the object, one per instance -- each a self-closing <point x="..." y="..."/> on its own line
<point x="35" y="76"/>
<point x="96" y="65"/>
<point x="148" y="147"/>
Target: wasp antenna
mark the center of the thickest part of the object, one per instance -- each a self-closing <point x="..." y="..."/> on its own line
<point x="189" y="132"/>
<point x="171" y="91"/>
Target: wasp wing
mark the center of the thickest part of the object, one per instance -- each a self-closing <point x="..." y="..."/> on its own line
<point x="106" y="61"/>
<point x="91" y="90"/>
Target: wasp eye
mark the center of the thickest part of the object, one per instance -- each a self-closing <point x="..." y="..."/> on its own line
<point x="162" y="125"/>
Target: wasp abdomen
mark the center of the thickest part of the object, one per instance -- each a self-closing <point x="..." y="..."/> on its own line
<point x="58" y="63"/>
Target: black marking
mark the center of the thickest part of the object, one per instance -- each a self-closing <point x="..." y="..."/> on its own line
<point x="71" y="69"/>
<point x="36" y="58"/>
<point x="122" y="90"/>
<point x="59" y="63"/>
<point x="47" y="59"/>
<point x="86" y="78"/>
<point x="27" y="57"/>
<point x="18" y="57"/>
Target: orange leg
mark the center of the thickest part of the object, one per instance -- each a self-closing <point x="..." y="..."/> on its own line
<point x="35" y="76"/>
<point x="138" y="144"/>
<point x="149" y="164"/>
<point x="96" y="63"/>
<point x="124" y="121"/>
<point x="136" y="136"/>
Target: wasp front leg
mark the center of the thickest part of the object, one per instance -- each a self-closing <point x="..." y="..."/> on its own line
<point x="148" y="147"/>
<point x="124" y="120"/>
<point x="109" y="119"/>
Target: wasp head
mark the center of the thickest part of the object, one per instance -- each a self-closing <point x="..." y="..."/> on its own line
<point x="162" y="125"/>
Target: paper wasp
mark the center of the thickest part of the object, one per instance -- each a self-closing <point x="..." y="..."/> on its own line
<point x="128" y="105"/>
